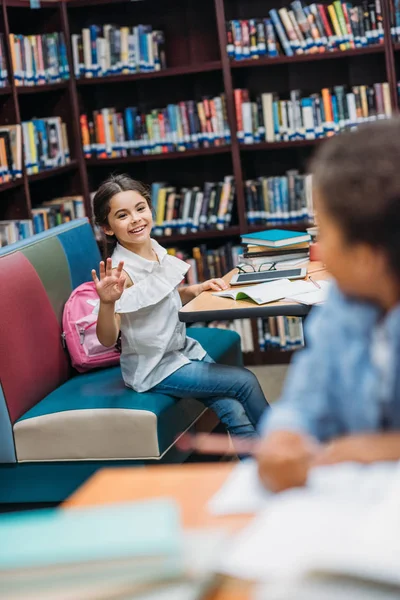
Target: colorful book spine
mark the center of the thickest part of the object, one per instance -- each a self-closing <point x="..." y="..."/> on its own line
<point x="109" y="133"/>
<point x="302" y="28"/>
<point x="299" y="117"/>
<point x="111" y="50"/>
<point x="37" y="59"/>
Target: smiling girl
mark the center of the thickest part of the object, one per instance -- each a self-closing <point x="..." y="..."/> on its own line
<point x="140" y="295"/>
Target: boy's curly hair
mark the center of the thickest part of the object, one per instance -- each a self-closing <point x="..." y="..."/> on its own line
<point x="357" y="175"/>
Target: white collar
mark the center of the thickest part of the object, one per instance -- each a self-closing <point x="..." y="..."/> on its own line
<point x="139" y="261"/>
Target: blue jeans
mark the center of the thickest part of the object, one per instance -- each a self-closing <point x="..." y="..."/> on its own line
<point x="233" y="393"/>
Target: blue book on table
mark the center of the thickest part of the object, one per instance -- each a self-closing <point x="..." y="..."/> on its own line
<point x="276" y="238"/>
<point x="119" y="532"/>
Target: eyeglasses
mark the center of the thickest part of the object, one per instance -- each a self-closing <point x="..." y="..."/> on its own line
<point x="251" y="269"/>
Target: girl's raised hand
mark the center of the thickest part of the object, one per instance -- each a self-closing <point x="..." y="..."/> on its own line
<point x="111" y="283"/>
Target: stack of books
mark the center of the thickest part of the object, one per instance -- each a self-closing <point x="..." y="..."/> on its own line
<point x="272" y="118"/>
<point x="276" y="246"/>
<point x="192" y="209"/>
<point x="112" y="551"/>
<point x="57" y="211"/>
<point x="45" y="144"/>
<point x="301" y="29"/>
<point x="112" y="50"/>
<point x="272" y="200"/>
<point x="109" y="133"/>
<point x="39" y="59"/>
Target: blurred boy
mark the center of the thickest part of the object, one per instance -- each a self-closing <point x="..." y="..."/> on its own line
<point x="341" y="401"/>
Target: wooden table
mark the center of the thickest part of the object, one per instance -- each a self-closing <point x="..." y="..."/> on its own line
<point x="190" y="485"/>
<point x="207" y="307"/>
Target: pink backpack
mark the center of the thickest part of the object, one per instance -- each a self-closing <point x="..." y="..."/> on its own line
<point x="79" y="331"/>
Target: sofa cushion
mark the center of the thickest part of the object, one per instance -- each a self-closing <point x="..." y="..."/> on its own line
<point x="33" y="362"/>
<point x="96" y="417"/>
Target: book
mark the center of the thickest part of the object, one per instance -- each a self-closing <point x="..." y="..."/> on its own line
<point x="191" y="124"/>
<point x="266" y="292"/>
<point x="308" y="29"/>
<point x="99" y="547"/>
<point x="303" y="247"/>
<point x="99" y="51"/>
<point x="294" y="116"/>
<point x="276" y="238"/>
<point x="191" y="209"/>
<point x="38" y="59"/>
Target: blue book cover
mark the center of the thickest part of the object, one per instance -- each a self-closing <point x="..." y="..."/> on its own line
<point x="51" y="537"/>
<point x="275" y="238"/>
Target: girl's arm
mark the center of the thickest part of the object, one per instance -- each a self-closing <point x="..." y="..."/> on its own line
<point x="110" y="287"/>
<point x="108" y="324"/>
<point x="189" y="292"/>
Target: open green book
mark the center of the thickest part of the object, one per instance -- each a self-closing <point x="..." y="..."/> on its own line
<point x="270" y="291"/>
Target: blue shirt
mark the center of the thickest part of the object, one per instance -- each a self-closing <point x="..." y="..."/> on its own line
<point x="339" y="383"/>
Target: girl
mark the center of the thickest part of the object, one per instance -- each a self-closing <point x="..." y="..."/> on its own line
<point x="341" y="401"/>
<point x="140" y="296"/>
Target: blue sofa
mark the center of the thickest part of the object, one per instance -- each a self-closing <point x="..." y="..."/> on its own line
<point x="56" y="425"/>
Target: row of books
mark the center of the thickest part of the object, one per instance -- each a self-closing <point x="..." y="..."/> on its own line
<point x="45" y="144"/>
<point x="13" y="231"/>
<point x="271" y="118"/>
<point x="177" y="127"/>
<point x="242" y="327"/>
<point x="57" y="211"/>
<point x="301" y="29"/>
<point x="273" y="200"/>
<point x="206" y="262"/>
<point x="4" y="81"/>
<point x="99" y="51"/>
<point x="283" y="333"/>
<point x="39" y="59"/>
<point x="10" y="153"/>
<point x="191" y="209"/>
<point x="394" y="8"/>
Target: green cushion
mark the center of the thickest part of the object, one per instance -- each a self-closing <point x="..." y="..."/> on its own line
<point x="49" y="260"/>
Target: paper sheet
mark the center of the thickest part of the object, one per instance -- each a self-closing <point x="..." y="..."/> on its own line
<point x="346" y="521"/>
<point x="242" y="493"/>
<point x="312" y="295"/>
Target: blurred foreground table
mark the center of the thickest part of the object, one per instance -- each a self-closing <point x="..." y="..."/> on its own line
<point x="190" y="485"/>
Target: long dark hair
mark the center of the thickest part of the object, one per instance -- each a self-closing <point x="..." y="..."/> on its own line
<point x="101" y="204"/>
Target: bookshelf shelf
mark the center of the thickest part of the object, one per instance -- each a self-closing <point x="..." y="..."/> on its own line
<point x="215" y="65"/>
<point x="26" y="3"/>
<point x="71" y="166"/>
<point x="199" y="235"/>
<point x="195" y="33"/>
<point x="283" y="60"/>
<point x="9" y="185"/>
<point x="40" y="89"/>
<point x="279" y="145"/>
<point x="98" y="162"/>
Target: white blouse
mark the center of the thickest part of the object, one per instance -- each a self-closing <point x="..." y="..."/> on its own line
<point x="154" y="342"/>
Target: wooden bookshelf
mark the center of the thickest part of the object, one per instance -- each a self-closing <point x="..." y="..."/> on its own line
<point x="197" y="65"/>
<point x="41" y="89"/>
